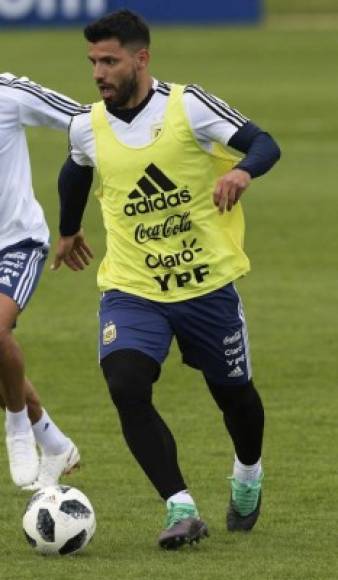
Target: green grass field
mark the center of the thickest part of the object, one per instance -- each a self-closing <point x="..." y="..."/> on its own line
<point x="286" y="82"/>
<point x="301" y="6"/>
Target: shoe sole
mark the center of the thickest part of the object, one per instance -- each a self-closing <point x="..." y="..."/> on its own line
<point x="197" y="532"/>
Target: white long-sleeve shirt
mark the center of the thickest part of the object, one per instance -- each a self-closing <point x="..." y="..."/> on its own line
<point x="210" y="118"/>
<point x="25" y="103"/>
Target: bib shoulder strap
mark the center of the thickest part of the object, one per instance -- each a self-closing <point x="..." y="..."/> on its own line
<point x="98" y="115"/>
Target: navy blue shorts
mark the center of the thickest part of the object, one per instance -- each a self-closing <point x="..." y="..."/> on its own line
<point x="210" y="330"/>
<point x="20" y="269"/>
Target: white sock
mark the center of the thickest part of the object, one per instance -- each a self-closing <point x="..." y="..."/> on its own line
<point x="181" y="497"/>
<point x="247" y="473"/>
<point x="48" y="436"/>
<point x="17" y="422"/>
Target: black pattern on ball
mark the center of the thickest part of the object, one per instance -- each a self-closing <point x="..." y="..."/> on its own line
<point x="46" y="525"/>
<point x="74" y="543"/>
<point x="75" y="508"/>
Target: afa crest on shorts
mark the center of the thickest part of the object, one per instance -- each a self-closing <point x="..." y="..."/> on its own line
<point x="109" y="333"/>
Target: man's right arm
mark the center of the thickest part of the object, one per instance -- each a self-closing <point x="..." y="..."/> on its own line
<point x="38" y="105"/>
<point x="74" y="185"/>
<point x="75" y="180"/>
<point x="76" y="175"/>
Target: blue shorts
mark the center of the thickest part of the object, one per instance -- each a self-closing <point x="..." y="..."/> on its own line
<point x="210" y="330"/>
<point x="20" y="269"/>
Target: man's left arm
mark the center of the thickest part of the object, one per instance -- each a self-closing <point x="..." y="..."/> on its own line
<point x="213" y="120"/>
<point x="261" y="153"/>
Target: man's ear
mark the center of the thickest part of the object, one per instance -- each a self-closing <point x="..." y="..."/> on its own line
<point x="142" y="58"/>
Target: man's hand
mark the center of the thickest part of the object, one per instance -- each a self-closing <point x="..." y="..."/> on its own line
<point x="73" y="251"/>
<point x="229" y="188"/>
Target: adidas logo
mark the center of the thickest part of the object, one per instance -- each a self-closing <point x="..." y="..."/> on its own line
<point x="6" y="281"/>
<point x="152" y="193"/>
<point x="237" y="372"/>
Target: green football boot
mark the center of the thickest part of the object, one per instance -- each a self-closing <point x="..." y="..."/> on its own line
<point x="244" y="506"/>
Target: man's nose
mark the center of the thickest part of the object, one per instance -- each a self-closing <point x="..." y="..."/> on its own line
<point x="98" y="72"/>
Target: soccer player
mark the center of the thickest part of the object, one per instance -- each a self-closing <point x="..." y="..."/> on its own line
<point x="169" y="193"/>
<point x="24" y="243"/>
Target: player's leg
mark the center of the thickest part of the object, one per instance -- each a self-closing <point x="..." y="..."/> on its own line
<point x="59" y="454"/>
<point x="22" y="265"/>
<point x="212" y="335"/>
<point x="243" y="416"/>
<point x="34" y="408"/>
<point x="133" y="349"/>
<point x="130" y="375"/>
<point x="22" y="454"/>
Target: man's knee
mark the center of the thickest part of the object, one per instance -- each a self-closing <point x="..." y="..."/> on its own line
<point x="130" y="375"/>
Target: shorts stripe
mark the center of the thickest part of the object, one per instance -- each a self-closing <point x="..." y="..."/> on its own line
<point x="245" y="335"/>
<point x="28" y="278"/>
<point x="30" y="283"/>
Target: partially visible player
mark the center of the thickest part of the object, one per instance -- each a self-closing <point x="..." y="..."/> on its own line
<point x="24" y="243"/>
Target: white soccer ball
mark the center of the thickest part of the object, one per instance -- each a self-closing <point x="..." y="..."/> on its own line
<point x="59" y="520"/>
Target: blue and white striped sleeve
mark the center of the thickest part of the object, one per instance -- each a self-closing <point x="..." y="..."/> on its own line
<point x="38" y="105"/>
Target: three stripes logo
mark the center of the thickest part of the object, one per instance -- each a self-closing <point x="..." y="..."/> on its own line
<point x="153" y="193"/>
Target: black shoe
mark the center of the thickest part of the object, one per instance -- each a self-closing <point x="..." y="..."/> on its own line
<point x="243" y="495"/>
<point x="183" y="527"/>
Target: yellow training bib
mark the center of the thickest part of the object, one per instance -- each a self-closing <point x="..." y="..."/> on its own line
<point x="166" y="240"/>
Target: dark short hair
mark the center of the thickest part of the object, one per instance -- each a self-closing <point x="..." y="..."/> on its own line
<point x="124" y="25"/>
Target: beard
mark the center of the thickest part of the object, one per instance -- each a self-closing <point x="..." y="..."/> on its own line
<point x="123" y="93"/>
